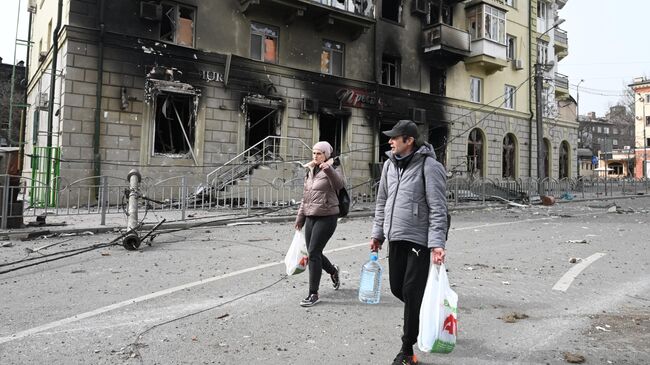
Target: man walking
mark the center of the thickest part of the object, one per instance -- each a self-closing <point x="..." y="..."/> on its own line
<point x="411" y="212"/>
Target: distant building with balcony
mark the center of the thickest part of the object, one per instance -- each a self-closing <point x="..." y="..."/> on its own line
<point x="186" y="87"/>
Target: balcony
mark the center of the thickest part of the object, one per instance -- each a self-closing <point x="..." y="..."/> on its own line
<point x="355" y="16"/>
<point x="560" y="3"/>
<point x="561" y="86"/>
<point x="561" y="44"/>
<point x="444" y="45"/>
<point x="486" y="55"/>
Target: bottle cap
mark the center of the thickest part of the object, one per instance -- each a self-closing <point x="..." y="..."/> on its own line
<point x="373" y="256"/>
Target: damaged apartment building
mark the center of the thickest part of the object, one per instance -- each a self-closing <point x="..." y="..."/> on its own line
<point x="182" y="87"/>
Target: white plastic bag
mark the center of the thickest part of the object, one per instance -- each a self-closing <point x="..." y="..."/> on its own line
<point x="297" y="256"/>
<point x="438" y="313"/>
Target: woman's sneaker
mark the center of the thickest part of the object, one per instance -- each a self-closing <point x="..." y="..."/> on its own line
<point x="402" y="359"/>
<point x="336" y="281"/>
<point x="311" y="300"/>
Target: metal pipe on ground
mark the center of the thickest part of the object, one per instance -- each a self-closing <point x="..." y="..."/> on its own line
<point x="132" y="241"/>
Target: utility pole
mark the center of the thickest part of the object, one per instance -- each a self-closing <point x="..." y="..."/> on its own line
<point x="539" y="79"/>
<point x="578" y="121"/>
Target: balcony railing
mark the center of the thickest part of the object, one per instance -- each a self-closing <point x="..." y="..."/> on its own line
<point x="561" y="36"/>
<point x="561" y="81"/>
<point x="364" y="8"/>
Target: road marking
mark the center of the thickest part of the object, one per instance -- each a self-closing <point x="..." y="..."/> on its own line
<point x="78" y="317"/>
<point x="143" y="298"/>
<point x="566" y="280"/>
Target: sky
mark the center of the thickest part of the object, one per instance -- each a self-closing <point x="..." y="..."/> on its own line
<point x="608" y="47"/>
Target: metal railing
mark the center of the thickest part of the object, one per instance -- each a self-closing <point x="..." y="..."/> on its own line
<point x="255" y="191"/>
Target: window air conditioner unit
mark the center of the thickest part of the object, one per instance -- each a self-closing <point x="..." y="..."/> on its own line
<point x="150" y="11"/>
<point x="518" y="64"/>
<point x="309" y="105"/>
<point x="419" y="7"/>
<point x="418" y="115"/>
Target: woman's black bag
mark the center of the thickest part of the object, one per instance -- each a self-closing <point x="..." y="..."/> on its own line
<point x="344" y="202"/>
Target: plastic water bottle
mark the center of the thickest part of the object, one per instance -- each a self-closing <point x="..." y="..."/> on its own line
<point x="370" y="285"/>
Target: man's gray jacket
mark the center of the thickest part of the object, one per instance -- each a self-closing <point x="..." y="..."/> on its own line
<point x="404" y="212"/>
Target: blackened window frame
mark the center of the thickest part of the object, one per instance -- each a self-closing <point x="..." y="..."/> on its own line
<point x="331" y="48"/>
<point x="390" y="66"/>
<point x="177" y="7"/>
<point x="264" y="31"/>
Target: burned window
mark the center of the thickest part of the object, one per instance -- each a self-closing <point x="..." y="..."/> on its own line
<point x="475" y="153"/>
<point x="175" y="124"/>
<point x="438" y="81"/>
<point x="390" y="70"/>
<point x="508" y="157"/>
<point x="177" y="24"/>
<point x="264" y="42"/>
<point x="331" y="58"/>
<point x="392" y="10"/>
<point x="563" y="163"/>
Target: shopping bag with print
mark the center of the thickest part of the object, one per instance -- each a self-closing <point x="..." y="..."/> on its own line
<point x="438" y="313"/>
<point x="297" y="257"/>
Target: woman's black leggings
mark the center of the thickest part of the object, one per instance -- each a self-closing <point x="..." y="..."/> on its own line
<point x="318" y="231"/>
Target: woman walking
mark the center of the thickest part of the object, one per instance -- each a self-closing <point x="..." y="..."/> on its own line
<point x="318" y="213"/>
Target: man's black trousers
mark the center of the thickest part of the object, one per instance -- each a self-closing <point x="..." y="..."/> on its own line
<point x="409" y="268"/>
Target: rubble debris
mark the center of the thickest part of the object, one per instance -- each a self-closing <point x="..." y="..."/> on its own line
<point x="573" y="358"/>
<point x="612" y="209"/>
<point x="7" y="244"/>
<point x="223" y="316"/>
<point x="600" y="328"/>
<point x="574" y="260"/>
<point x="513" y="317"/>
<point x="548" y="200"/>
<point x="243" y="224"/>
<point x="577" y="241"/>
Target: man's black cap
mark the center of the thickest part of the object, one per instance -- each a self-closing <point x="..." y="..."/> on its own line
<point x="404" y="128"/>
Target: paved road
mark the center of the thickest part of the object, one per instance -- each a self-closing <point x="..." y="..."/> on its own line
<point x="218" y="295"/>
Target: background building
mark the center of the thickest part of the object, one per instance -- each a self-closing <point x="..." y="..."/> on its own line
<point x="10" y="125"/>
<point x="641" y="88"/>
<point x="184" y="87"/>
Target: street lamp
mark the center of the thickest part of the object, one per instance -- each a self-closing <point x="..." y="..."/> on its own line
<point x="539" y="79"/>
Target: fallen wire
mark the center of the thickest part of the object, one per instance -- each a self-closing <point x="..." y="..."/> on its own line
<point x="65" y="254"/>
<point x="135" y="345"/>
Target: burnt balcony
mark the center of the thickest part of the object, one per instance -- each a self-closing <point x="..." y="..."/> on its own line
<point x="444" y="45"/>
<point x="561" y="43"/>
<point x="356" y="16"/>
<point x="561" y="86"/>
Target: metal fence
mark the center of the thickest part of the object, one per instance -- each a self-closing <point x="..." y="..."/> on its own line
<point x="104" y="195"/>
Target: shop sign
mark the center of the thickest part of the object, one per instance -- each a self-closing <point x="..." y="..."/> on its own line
<point x="357" y="98"/>
<point x="210" y="76"/>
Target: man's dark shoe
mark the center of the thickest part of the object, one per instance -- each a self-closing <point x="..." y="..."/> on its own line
<point x="402" y="359"/>
<point x="336" y="281"/>
<point x="311" y="300"/>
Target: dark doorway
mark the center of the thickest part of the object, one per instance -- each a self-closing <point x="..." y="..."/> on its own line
<point x="546" y="151"/>
<point x="475" y="153"/>
<point x="261" y="123"/>
<point x="563" y="163"/>
<point x="332" y="129"/>
<point x="438" y="139"/>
